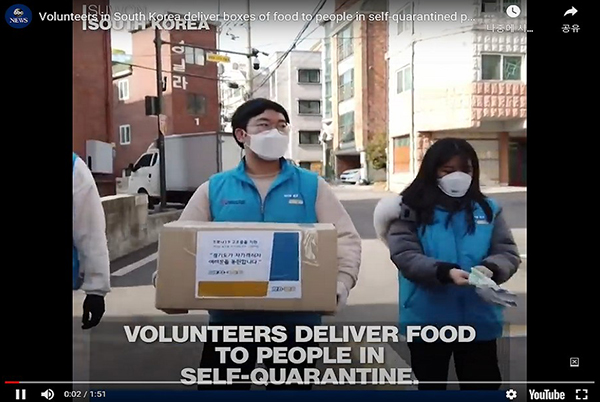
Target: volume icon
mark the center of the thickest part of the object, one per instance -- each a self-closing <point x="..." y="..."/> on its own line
<point x="48" y="394"/>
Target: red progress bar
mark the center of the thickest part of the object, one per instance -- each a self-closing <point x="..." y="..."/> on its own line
<point x="11" y="382"/>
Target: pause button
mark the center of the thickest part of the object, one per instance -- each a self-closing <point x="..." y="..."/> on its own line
<point x="20" y="394"/>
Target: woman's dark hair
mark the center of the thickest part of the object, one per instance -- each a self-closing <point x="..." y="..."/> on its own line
<point x="423" y="195"/>
<point x="253" y="108"/>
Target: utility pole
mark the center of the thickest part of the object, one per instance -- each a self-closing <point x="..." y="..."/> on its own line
<point x="413" y="135"/>
<point x="219" y="75"/>
<point x="250" y="77"/>
<point x="161" y="136"/>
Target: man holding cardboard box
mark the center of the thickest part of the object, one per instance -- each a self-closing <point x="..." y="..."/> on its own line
<point x="270" y="194"/>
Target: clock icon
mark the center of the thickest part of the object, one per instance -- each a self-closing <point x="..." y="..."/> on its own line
<point x="513" y="11"/>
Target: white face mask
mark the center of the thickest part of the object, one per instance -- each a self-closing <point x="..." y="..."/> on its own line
<point x="455" y="184"/>
<point x="268" y="145"/>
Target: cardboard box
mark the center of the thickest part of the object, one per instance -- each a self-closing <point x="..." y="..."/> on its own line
<point x="247" y="266"/>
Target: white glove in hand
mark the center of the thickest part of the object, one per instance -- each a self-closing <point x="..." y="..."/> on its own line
<point x="484" y="270"/>
<point x="342" y="295"/>
<point x="489" y="290"/>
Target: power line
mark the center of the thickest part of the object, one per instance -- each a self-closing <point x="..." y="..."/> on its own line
<point x="297" y="41"/>
<point x="171" y="72"/>
<point x="318" y="8"/>
<point x="280" y="60"/>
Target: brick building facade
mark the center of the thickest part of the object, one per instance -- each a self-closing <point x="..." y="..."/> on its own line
<point x="358" y="97"/>
<point x="190" y="97"/>
<point x="92" y="91"/>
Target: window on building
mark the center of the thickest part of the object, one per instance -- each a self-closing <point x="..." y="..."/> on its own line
<point x="346" y="88"/>
<point x="403" y="80"/>
<point x="328" y="104"/>
<point x="497" y="6"/>
<point x="196" y="104"/>
<point x="501" y="67"/>
<point x="345" y="44"/>
<point x="123" y="86"/>
<point x="309" y="137"/>
<point x="327" y="49"/>
<point x="401" y="154"/>
<point x="327" y="61"/>
<point x="309" y="107"/>
<point x="125" y="134"/>
<point x="405" y="23"/>
<point x="309" y="76"/>
<point x="194" y="56"/>
<point x="346" y="127"/>
<point x="305" y="165"/>
<point x="327" y="72"/>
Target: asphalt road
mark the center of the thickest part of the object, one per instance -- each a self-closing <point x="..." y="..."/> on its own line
<point x="373" y="301"/>
<point x="360" y="206"/>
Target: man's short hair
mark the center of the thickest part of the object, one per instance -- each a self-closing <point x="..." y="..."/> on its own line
<point x="253" y="108"/>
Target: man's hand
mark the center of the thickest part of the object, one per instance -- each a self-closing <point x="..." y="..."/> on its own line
<point x="459" y="277"/>
<point x="93" y="310"/>
<point x="342" y="295"/>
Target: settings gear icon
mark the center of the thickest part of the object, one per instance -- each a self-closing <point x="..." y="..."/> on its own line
<point x="511" y="394"/>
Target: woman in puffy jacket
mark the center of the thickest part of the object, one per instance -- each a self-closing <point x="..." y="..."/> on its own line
<point x="437" y="230"/>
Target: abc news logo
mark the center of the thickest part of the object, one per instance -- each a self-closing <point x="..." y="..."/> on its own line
<point x="283" y="288"/>
<point x="18" y="17"/>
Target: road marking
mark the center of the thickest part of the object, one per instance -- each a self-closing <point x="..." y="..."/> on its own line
<point x="132" y="267"/>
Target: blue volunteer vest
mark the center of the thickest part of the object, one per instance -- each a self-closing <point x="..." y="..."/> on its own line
<point x="453" y="305"/>
<point x="292" y="198"/>
<point x="76" y="278"/>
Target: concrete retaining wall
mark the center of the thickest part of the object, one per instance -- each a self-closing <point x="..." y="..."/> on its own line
<point x="129" y="227"/>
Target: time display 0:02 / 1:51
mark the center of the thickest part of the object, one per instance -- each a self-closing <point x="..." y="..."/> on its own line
<point x="84" y="394"/>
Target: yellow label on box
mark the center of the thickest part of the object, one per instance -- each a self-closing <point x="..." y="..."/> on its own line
<point x="233" y="289"/>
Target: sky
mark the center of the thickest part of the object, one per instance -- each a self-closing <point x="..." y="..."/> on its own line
<point x="268" y="37"/>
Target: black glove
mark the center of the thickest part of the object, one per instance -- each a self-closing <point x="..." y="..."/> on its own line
<point x="443" y="271"/>
<point x="93" y="310"/>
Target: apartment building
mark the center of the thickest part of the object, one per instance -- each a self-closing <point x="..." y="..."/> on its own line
<point x="296" y="85"/>
<point x="190" y="91"/>
<point x="355" y="87"/>
<point x="464" y="77"/>
<point x="92" y="100"/>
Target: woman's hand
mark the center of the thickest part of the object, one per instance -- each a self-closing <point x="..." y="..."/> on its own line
<point x="459" y="277"/>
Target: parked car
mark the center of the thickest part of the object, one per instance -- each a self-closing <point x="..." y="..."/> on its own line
<point x="350" y="176"/>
